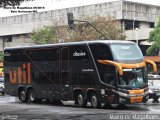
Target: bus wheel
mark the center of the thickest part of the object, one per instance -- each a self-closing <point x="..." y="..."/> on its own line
<point x="3" y="93"/>
<point x="23" y="95"/>
<point x="80" y="101"/>
<point x="95" y="102"/>
<point x="32" y="96"/>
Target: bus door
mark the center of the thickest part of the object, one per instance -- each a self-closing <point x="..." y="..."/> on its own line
<point x="65" y="73"/>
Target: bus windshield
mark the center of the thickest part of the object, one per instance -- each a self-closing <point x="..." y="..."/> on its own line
<point x="133" y="78"/>
<point x="126" y="52"/>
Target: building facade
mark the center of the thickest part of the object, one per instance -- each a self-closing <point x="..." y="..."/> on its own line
<point x="137" y="20"/>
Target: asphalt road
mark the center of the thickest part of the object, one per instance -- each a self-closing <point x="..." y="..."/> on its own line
<point x="12" y="109"/>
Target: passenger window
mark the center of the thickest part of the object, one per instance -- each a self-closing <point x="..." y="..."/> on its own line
<point x="109" y="78"/>
<point x="43" y="54"/>
<point x="101" y="52"/>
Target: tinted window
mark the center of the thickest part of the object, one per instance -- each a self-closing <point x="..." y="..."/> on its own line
<point x="45" y="54"/>
<point x="15" y="56"/>
<point x="101" y="52"/>
<point x="109" y="78"/>
<point x="44" y="73"/>
<point x="107" y="74"/>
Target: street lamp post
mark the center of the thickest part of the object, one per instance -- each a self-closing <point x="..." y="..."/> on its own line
<point x="133" y="24"/>
<point x="137" y="35"/>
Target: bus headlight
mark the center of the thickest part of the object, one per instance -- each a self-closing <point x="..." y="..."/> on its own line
<point x="121" y="100"/>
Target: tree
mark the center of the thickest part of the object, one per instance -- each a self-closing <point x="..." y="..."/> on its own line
<point x="44" y="35"/>
<point x="82" y="31"/>
<point x="107" y="25"/>
<point x="4" y="3"/>
<point x="154" y="38"/>
<point x="1" y="56"/>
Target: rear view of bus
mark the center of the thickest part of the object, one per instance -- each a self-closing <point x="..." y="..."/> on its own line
<point x="129" y="81"/>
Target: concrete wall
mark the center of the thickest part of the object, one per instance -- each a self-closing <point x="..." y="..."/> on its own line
<point x="141" y="34"/>
<point x="144" y="25"/>
<point x="26" y="23"/>
<point x="1" y="44"/>
<point x="17" y="40"/>
<point x="22" y="24"/>
<point x="140" y="12"/>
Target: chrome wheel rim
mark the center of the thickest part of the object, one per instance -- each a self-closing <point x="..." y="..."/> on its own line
<point x="94" y="101"/>
<point x="23" y="95"/>
<point x="32" y="96"/>
<point x="80" y="100"/>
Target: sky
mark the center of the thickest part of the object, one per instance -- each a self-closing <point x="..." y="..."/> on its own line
<point x="45" y="5"/>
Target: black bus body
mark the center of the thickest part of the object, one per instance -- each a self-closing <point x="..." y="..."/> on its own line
<point x="91" y="71"/>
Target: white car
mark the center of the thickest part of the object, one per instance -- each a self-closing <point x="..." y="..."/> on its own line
<point x="154" y="89"/>
<point x="2" y="86"/>
<point x="152" y="77"/>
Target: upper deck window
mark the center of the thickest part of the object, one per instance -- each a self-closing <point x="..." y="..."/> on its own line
<point x="101" y="52"/>
<point x="126" y="52"/>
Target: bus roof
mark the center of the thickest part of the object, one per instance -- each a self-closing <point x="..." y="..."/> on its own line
<point x="72" y="43"/>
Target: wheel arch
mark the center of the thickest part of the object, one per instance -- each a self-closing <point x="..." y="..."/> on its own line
<point x="76" y="91"/>
<point x="29" y="88"/>
<point x="20" y="88"/>
<point x="90" y="91"/>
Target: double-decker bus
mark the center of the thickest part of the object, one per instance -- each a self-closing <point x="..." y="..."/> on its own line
<point x="101" y="71"/>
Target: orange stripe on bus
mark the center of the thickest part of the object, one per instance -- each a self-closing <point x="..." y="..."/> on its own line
<point x="13" y="77"/>
<point x="128" y="66"/>
<point x="136" y="99"/>
<point x="120" y="70"/>
<point x="29" y="73"/>
<point x="153" y="64"/>
<point x="136" y="65"/>
<point x="24" y="74"/>
<point x="122" y="65"/>
<point x="19" y="75"/>
<point x="136" y="91"/>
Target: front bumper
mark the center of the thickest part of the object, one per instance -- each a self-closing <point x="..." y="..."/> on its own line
<point x="1" y="90"/>
<point x="123" y="96"/>
<point x="154" y="95"/>
<point x="132" y="97"/>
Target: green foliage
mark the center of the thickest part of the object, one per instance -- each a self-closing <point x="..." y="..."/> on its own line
<point x="45" y="35"/>
<point x="4" y="3"/>
<point x="1" y="56"/>
<point x="154" y="37"/>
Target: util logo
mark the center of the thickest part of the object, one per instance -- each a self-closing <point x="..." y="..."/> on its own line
<point x="21" y="75"/>
<point x="1" y="74"/>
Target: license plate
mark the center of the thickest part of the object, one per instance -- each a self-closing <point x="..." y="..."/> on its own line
<point x="135" y="100"/>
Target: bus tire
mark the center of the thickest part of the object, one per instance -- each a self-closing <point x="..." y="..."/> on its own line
<point x="94" y="101"/>
<point x="23" y="95"/>
<point x="80" y="101"/>
<point x="32" y="96"/>
<point x="3" y="93"/>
